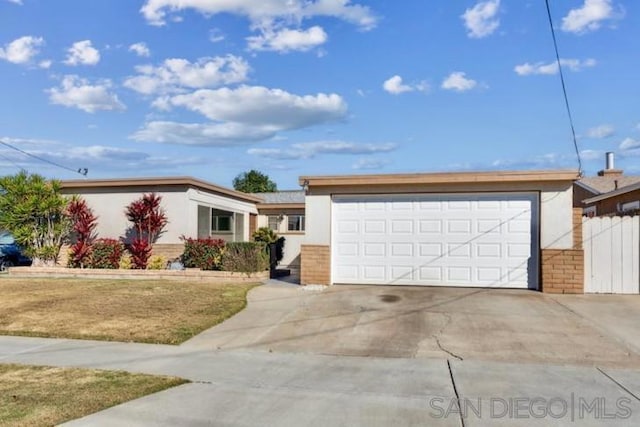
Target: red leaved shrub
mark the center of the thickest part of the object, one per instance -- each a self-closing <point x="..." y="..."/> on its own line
<point x="148" y="219"/>
<point x="83" y="226"/>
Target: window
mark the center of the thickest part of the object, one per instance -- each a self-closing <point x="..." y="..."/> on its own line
<point x="274" y="222"/>
<point x="629" y="206"/>
<point x="221" y="223"/>
<point x="296" y="223"/>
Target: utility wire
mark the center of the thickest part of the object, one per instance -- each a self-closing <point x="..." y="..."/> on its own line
<point x="564" y="88"/>
<point x="81" y="171"/>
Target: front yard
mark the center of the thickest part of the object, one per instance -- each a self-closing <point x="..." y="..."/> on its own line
<point x="166" y="312"/>
<point x="44" y="396"/>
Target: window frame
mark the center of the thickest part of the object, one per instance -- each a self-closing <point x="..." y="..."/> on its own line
<point x="215" y="220"/>
<point x="300" y="221"/>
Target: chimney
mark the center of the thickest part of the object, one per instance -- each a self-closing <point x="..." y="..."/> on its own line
<point x="610" y="169"/>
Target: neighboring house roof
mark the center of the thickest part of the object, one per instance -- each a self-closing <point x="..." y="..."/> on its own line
<point x="605" y="184"/>
<point x="442" y="178"/>
<point x="157" y="182"/>
<point x="623" y="190"/>
<point x="290" y="199"/>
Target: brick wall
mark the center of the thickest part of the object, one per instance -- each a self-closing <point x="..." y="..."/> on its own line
<point x="577" y="228"/>
<point x="168" y="250"/>
<point x="563" y="271"/>
<point x="315" y="265"/>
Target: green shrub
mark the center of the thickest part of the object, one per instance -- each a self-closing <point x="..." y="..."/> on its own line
<point x="265" y="234"/>
<point x="106" y="253"/>
<point x="125" y="262"/>
<point x="245" y="257"/>
<point x="157" y="262"/>
<point x="205" y="254"/>
<point x="268" y="236"/>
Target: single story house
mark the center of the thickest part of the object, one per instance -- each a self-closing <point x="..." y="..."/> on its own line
<point x="476" y="229"/>
<point x="609" y="193"/>
<point x="194" y="208"/>
<point x="198" y="209"/>
<point x="472" y="229"/>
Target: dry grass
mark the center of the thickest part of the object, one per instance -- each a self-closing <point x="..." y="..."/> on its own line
<point x="165" y="312"/>
<point x="44" y="396"/>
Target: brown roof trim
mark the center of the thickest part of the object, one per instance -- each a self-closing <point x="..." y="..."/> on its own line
<point x="623" y="190"/>
<point x="442" y="178"/>
<point x="274" y="206"/>
<point x="168" y="181"/>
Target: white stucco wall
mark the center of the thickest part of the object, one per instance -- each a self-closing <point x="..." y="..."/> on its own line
<point x="112" y="222"/>
<point x="318" y="216"/>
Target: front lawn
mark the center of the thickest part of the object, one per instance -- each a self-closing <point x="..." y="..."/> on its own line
<point x="166" y="312"/>
<point x="45" y="396"/>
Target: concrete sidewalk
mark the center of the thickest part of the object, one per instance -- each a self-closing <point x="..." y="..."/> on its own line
<point x="242" y="388"/>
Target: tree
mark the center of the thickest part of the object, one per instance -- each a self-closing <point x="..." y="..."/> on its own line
<point x="148" y="220"/>
<point x="254" y="182"/>
<point x="33" y="211"/>
<point x="84" y="223"/>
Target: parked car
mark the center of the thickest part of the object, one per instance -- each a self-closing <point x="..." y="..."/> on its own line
<point x="11" y="254"/>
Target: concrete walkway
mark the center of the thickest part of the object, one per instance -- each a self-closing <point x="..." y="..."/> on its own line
<point x="241" y="377"/>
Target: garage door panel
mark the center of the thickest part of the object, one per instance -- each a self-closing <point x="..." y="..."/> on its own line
<point x="426" y="239"/>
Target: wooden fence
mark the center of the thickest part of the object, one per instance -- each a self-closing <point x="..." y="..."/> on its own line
<point x="611" y="255"/>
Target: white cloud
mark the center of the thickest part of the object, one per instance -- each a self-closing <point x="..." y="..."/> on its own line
<point x="541" y="68"/>
<point x="590" y="16"/>
<point x="309" y="150"/>
<point x="76" y="92"/>
<point x="287" y="40"/>
<point x="216" y="35"/>
<point x="175" y="74"/>
<point x="45" y="64"/>
<point x="369" y="164"/>
<point x="264" y="12"/>
<point x="21" y="50"/>
<point x="98" y="158"/>
<point x="82" y="53"/>
<point x="629" y="144"/>
<point x="600" y="132"/>
<point x="591" y="154"/>
<point x="204" y="134"/>
<point x="481" y="20"/>
<point x="395" y="85"/>
<point x="260" y="106"/>
<point x="16" y="2"/>
<point x="457" y="81"/>
<point x="140" y="49"/>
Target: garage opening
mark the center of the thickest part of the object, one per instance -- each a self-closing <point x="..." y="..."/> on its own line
<point x="471" y="240"/>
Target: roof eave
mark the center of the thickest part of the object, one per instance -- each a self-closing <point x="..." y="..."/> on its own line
<point x="442" y="178"/>
<point x="168" y="181"/>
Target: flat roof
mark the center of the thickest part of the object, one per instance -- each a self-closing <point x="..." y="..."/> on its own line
<point x="158" y="181"/>
<point x="442" y="178"/>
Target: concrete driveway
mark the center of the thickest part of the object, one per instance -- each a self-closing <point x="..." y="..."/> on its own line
<point x="429" y="322"/>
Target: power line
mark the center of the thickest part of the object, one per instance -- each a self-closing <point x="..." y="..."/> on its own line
<point x="564" y="88"/>
<point x="81" y="171"/>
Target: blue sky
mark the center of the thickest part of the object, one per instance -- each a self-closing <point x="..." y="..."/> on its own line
<point x="212" y="88"/>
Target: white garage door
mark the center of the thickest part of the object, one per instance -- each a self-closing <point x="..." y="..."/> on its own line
<point x="484" y="240"/>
